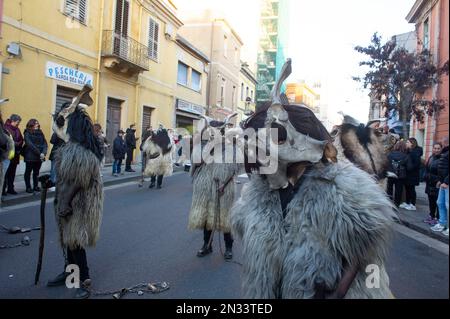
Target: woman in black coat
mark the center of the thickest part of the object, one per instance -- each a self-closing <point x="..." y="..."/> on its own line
<point x="432" y="178"/>
<point x="412" y="173"/>
<point x="397" y="164"/>
<point x="33" y="153"/>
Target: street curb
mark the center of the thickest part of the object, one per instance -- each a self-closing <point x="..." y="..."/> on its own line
<point x="428" y="233"/>
<point x="36" y="197"/>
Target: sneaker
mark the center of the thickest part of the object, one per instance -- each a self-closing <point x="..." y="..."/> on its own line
<point x="438" y="228"/>
<point x="403" y="205"/>
<point x="115" y="175"/>
<point x="434" y="222"/>
<point x="411" y="207"/>
<point x="445" y="232"/>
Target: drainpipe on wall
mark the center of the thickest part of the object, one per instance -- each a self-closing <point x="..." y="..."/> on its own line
<point x="99" y="61"/>
<point x="208" y="87"/>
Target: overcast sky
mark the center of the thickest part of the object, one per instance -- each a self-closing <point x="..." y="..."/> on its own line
<point x="323" y="34"/>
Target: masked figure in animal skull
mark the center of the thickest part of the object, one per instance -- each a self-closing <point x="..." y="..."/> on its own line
<point x="158" y="150"/>
<point x="79" y="187"/>
<point x="364" y="145"/>
<point x="213" y="174"/>
<point x="310" y="229"/>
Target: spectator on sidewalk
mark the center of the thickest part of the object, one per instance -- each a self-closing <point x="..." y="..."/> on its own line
<point x="130" y="141"/>
<point x="412" y="179"/>
<point x="57" y="143"/>
<point x="442" y="201"/>
<point x="119" y="151"/>
<point x="431" y="179"/>
<point x="103" y="144"/>
<point x="12" y="126"/>
<point x="397" y="165"/>
<point x="34" y="153"/>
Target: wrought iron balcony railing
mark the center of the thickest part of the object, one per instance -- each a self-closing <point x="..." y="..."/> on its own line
<point x="126" y="49"/>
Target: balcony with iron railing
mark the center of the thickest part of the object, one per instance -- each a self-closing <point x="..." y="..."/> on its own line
<point x="124" y="53"/>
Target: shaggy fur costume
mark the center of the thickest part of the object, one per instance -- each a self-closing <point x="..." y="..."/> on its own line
<point x="76" y="165"/>
<point x="161" y="165"/>
<point x="204" y="196"/>
<point x="338" y="213"/>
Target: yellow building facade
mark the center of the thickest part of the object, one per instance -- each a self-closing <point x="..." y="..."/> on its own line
<point x="301" y="93"/>
<point x="127" y="50"/>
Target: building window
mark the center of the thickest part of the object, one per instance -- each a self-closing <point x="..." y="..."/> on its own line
<point x="251" y="94"/>
<point x="246" y="92"/>
<point x="196" y="81"/>
<point x="225" y="45"/>
<point x="222" y="92"/>
<point x="76" y="9"/>
<point x="153" y="32"/>
<point x="426" y="34"/>
<point x="236" y="56"/>
<point x="182" y="77"/>
<point x="242" y="91"/>
<point x="233" y="96"/>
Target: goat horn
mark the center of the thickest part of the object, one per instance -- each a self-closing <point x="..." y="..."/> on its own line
<point x="285" y="72"/>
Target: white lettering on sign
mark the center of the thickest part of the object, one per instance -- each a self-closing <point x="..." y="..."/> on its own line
<point x="68" y="74"/>
<point x="190" y="107"/>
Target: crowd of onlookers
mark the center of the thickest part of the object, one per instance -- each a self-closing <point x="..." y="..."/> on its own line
<point x="406" y="171"/>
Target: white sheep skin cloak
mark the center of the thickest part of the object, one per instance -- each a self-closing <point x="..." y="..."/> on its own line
<point x="338" y="213"/>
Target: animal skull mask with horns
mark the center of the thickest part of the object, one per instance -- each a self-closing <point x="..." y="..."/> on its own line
<point x="293" y="130"/>
<point x="60" y="122"/>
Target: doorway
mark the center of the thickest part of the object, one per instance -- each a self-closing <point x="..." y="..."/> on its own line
<point x="113" y="118"/>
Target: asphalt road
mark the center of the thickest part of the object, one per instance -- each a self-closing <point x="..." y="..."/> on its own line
<point x="144" y="238"/>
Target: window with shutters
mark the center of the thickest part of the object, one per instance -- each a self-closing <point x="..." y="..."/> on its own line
<point x="122" y="18"/>
<point x="153" y="38"/>
<point x="77" y="9"/>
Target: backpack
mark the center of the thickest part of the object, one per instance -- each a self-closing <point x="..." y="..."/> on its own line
<point x="399" y="168"/>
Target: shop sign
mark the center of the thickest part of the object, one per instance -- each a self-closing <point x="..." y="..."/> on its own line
<point x="68" y="74"/>
<point x="186" y="106"/>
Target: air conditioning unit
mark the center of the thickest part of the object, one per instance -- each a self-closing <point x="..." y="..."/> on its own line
<point x="13" y="48"/>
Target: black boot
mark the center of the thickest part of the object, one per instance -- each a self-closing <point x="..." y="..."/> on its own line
<point x="151" y="185"/>
<point x="205" y="250"/>
<point x="84" y="291"/>
<point x="228" y="253"/>
<point x="58" y="280"/>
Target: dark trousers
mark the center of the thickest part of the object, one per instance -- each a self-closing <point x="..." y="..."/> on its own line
<point x="158" y="179"/>
<point x="35" y="167"/>
<point x="395" y="195"/>
<point x="226" y="237"/>
<point x="78" y="257"/>
<point x="434" y="212"/>
<point x="129" y="159"/>
<point x="410" y="194"/>
<point x="10" y="176"/>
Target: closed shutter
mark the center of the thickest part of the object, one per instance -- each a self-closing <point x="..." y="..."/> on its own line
<point x="63" y="95"/>
<point x="153" y="38"/>
<point x="146" y="118"/>
<point x="122" y="12"/>
<point x="76" y="9"/>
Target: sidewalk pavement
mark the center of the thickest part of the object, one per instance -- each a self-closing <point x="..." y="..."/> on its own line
<point x="414" y="219"/>
<point x="411" y="219"/>
<point x="108" y="179"/>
